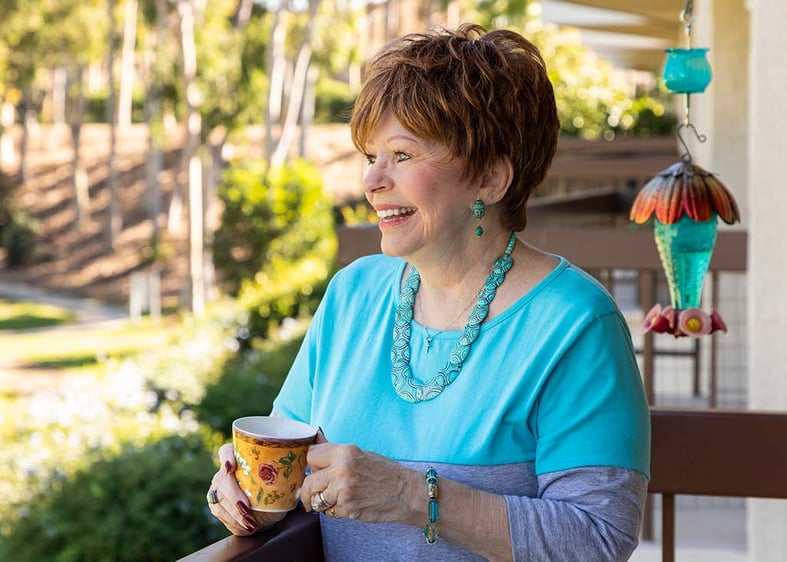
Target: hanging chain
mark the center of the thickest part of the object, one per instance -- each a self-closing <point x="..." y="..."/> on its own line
<point x="687" y="17"/>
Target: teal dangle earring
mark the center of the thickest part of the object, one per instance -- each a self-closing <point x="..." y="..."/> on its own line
<point x="479" y="210"/>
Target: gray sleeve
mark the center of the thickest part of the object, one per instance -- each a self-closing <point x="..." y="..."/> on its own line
<point x="582" y="514"/>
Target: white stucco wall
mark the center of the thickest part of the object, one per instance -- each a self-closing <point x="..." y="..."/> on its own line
<point x="743" y="114"/>
<point x="722" y="111"/>
<point x="768" y="248"/>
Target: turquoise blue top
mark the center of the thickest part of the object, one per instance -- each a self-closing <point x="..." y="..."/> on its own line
<point x="553" y="380"/>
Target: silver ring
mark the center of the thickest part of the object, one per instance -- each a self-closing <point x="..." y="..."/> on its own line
<point x="319" y="503"/>
<point x="212" y="497"/>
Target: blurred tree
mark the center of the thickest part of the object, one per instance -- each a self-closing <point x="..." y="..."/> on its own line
<point x="495" y="14"/>
<point x="594" y="99"/>
<point x="66" y="34"/>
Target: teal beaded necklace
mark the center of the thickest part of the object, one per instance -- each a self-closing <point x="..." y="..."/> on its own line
<point x="402" y="378"/>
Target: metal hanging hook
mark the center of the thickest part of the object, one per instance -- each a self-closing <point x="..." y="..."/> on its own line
<point x="686" y="156"/>
<point x="687" y="14"/>
<point x="687" y="17"/>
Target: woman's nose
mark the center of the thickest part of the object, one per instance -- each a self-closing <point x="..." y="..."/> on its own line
<point x="375" y="179"/>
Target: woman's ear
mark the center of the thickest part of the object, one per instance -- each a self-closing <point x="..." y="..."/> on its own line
<point x="496" y="180"/>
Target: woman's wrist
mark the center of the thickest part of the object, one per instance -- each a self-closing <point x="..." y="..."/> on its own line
<point x="412" y="499"/>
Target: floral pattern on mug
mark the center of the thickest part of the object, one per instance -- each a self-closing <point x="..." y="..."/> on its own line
<point x="269" y="473"/>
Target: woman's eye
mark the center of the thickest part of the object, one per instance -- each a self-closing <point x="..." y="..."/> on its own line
<point x="398" y="157"/>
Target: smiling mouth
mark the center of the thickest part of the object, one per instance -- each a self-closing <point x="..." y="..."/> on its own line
<point x="393" y="214"/>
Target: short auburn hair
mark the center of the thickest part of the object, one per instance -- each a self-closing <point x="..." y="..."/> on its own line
<point x="484" y="95"/>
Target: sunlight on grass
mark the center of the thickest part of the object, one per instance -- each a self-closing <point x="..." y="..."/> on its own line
<point x="23" y="315"/>
<point x="79" y="348"/>
<point x="10" y="411"/>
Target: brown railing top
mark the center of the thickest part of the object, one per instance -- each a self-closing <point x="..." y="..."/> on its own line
<point x="591" y="248"/>
<point x="719" y="453"/>
<point x="622" y="159"/>
<point x="297" y="537"/>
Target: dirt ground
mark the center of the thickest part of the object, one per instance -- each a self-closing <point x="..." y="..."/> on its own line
<point x="80" y="261"/>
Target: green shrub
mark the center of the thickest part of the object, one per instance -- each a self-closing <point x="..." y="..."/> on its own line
<point x="116" y="467"/>
<point x="284" y="290"/>
<point x="247" y="386"/>
<point x="334" y="101"/>
<point x="143" y="504"/>
<point x="96" y="110"/>
<point x="277" y="245"/>
<point x="267" y="215"/>
<point x="18" y="229"/>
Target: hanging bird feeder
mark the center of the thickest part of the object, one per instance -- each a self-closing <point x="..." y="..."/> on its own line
<point x="685" y="203"/>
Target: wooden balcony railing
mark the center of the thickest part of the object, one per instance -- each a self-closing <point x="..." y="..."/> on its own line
<point x="715" y="453"/>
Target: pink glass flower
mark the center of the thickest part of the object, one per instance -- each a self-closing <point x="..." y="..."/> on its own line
<point x="660" y="320"/>
<point x="693" y="322"/>
<point x="655" y="321"/>
<point x="716" y="321"/>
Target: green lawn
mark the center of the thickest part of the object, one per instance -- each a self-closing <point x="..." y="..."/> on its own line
<point x="70" y="348"/>
<point x="79" y="349"/>
<point x="22" y="315"/>
<point x="71" y="351"/>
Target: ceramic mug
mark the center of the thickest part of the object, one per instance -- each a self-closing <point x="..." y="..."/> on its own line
<point x="270" y="459"/>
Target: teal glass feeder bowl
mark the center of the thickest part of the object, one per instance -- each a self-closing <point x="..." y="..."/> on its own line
<point x="687" y="71"/>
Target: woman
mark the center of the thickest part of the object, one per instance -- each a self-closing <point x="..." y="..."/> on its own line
<point x="468" y="384"/>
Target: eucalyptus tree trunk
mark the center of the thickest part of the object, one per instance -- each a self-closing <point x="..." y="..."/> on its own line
<point x="277" y="65"/>
<point x="299" y="84"/>
<point x="243" y="13"/>
<point x="153" y="118"/>
<point x="59" y="83"/>
<point x="125" y="98"/>
<point x="187" y="12"/>
<point x="79" y="174"/>
<point x="28" y="118"/>
<point x="115" y="218"/>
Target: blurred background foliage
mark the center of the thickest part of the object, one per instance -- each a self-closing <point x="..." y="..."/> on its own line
<point x="114" y="463"/>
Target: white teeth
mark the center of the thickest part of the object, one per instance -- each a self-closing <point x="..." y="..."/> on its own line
<point x="388" y="213"/>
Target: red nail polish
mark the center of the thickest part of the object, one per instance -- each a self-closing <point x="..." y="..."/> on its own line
<point x="249" y="523"/>
<point x="228" y="466"/>
<point x="243" y="508"/>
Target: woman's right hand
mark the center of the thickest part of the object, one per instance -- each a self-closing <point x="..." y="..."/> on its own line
<point x="232" y="505"/>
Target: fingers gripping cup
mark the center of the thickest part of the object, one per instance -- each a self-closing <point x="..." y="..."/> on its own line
<point x="270" y="455"/>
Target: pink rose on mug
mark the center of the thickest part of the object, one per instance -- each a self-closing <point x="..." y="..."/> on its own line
<point x="269" y="473"/>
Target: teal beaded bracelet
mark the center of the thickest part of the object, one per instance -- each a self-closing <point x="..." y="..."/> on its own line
<point x="433" y="511"/>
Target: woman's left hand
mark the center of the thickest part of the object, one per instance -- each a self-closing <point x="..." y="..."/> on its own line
<point x="361" y="485"/>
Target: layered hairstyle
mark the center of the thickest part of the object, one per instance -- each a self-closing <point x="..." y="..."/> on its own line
<point x="484" y="95"/>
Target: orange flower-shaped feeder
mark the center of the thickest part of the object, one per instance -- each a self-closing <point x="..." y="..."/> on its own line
<point x="686" y="201"/>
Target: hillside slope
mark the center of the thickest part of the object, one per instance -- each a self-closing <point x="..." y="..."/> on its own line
<point x="80" y="261"/>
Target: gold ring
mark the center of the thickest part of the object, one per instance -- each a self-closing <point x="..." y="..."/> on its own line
<point x="319" y="503"/>
<point x="332" y="513"/>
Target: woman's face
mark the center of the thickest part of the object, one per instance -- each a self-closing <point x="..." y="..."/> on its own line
<point x="416" y="186"/>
